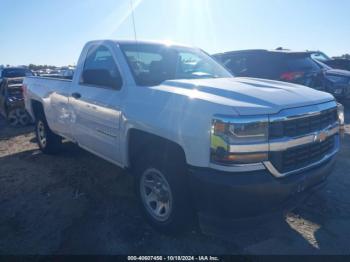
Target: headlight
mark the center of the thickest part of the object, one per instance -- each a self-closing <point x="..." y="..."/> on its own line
<point x="341" y="116"/>
<point x="239" y="140"/>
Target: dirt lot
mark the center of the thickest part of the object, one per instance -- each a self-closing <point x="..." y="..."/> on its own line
<point x="76" y="203"/>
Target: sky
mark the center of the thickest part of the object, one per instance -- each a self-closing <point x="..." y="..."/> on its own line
<point x="54" y="31"/>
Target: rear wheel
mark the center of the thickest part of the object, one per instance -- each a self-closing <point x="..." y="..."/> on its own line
<point x="162" y="192"/>
<point x="48" y="142"/>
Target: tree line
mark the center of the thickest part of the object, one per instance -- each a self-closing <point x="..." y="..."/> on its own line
<point x="42" y="67"/>
<point x="34" y="67"/>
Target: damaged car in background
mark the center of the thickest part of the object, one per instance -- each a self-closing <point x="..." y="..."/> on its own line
<point x="289" y="66"/>
<point x="335" y="62"/>
<point x="12" y="102"/>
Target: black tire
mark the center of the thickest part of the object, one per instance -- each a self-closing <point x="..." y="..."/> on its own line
<point x="52" y="142"/>
<point x="18" y="117"/>
<point x="12" y="118"/>
<point x="173" y="169"/>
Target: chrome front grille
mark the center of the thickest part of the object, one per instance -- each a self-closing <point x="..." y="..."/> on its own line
<point x="303" y="126"/>
<point x="302" y="138"/>
<point x="301" y="156"/>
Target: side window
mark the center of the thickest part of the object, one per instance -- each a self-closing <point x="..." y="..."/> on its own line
<point x="258" y="65"/>
<point x="236" y="64"/>
<point x="100" y="69"/>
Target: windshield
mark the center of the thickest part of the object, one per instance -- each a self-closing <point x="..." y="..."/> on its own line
<point x="16" y="72"/>
<point x="323" y="66"/>
<point x="320" y="56"/>
<point x="151" y="64"/>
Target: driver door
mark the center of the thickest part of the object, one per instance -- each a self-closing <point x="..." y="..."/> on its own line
<point x="95" y="104"/>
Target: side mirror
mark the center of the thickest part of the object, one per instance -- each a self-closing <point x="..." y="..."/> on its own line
<point x="101" y="77"/>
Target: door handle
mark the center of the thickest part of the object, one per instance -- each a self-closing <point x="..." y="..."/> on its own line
<point x="76" y="95"/>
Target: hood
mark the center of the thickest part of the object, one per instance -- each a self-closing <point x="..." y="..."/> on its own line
<point x="247" y="96"/>
<point x="338" y="72"/>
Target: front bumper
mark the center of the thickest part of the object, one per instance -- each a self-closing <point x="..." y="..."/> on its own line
<point x="226" y="195"/>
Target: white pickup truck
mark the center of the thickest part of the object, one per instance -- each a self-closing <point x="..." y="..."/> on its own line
<point x="199" y="141"/>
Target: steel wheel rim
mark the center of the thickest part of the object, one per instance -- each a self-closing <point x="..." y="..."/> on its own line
<point x="156" y="194"/>
<point x="41" y="133"/>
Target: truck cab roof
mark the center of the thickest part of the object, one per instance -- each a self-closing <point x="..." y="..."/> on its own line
<point x="141" y="42"/>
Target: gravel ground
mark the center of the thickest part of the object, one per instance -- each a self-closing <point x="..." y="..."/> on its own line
<point x="76" y="203"/>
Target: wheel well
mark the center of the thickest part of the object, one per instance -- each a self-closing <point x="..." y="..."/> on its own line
<point x="37" y="108"/>
<point x="141" y="142"/>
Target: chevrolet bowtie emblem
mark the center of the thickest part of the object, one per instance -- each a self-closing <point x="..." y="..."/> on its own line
<point x="321" y="136"/>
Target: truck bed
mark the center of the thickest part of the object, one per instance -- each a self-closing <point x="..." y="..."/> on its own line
<point x="40" y="86"/>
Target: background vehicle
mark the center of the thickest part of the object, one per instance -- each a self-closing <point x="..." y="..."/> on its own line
<point x="67" y="73"/>
<point x="11" y="95"/>
<point x="283" y="65"/>
<point x="196" y="138"/>
<point x="14" y="72"/>
<point x="64" y="73"/>
<point x="337" y="63"/>
<point x="12" y="103"/>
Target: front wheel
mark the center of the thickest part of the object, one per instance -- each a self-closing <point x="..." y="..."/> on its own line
<point x="156" y="194"/>
<point x="163" y="195"/>
<point x="48" y="142"/>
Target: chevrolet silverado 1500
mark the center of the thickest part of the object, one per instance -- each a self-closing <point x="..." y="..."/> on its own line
<point x="199" y="141"/>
